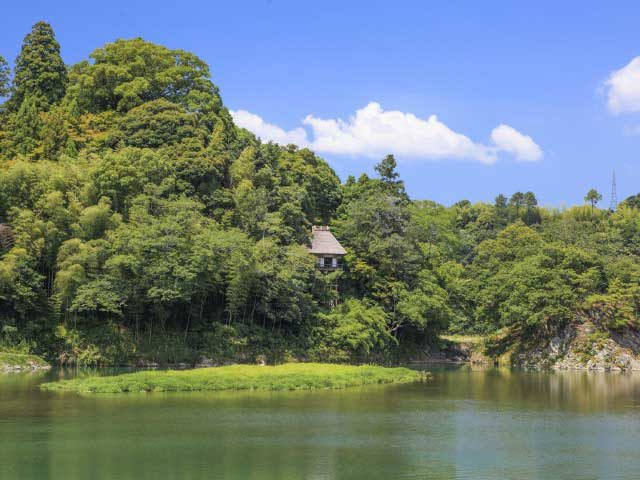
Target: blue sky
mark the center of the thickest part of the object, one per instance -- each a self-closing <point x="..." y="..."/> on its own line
<point x="539" y="69"/>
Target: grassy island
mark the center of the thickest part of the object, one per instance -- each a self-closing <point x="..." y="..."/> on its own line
<point x="294" y="376"/>
<point x="17" y="362"/>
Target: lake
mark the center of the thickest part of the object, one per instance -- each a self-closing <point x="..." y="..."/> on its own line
<point x="464" y="424"/>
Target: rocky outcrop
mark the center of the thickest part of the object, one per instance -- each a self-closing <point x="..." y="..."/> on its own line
<point x="448" y="350"/>
<point x="583" y="346"/>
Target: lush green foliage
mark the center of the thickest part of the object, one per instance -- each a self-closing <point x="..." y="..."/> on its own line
<point x="292" y="376"/>
<point x="138" y="222"/>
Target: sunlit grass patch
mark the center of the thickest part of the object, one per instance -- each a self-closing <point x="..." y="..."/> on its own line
<point x="293" y="376"/>
<point x="19" y="361"/>
<point x="472" y="339"/>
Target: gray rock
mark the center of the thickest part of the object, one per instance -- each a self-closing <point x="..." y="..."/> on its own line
<point x="204" y="362"/>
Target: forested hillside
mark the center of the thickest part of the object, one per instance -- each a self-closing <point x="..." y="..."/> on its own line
<point x="138" y="222"/>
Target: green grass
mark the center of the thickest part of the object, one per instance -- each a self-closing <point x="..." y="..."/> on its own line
<point x="472" y="339"/>
<point x="19" y="361"/>
<point x="292" y="376"/>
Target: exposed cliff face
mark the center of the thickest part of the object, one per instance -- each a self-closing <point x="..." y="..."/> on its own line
<point x="582" y="346"/>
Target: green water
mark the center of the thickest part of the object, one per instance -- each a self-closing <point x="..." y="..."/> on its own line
<point x="464" y="424"/>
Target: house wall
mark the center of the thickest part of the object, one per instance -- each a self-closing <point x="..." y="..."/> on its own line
<point x="336" y="261"/>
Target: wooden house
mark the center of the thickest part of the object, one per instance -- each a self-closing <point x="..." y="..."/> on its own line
<point x="326" y="248"/>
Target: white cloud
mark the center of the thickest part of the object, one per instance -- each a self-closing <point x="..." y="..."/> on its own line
<point x="267" y="131"/>
<point x="522" y="147"/>
<point x="374" y="132"/>
<point x="623" y="88"/>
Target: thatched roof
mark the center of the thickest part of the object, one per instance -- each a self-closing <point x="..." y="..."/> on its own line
<point x="324" y="243"/>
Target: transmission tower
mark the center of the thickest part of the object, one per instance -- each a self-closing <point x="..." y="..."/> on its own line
<point x="614" y="193"/>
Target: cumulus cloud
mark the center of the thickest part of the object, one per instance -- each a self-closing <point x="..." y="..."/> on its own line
<point x="522" y="147"/>
<point x="267" y="131"/>
<point x="374" y="132"/>
<point x="623" y="88"/>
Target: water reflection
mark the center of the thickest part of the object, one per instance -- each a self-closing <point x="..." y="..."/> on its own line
<point x="586" y="392"/>
<point x="463" y="424"/>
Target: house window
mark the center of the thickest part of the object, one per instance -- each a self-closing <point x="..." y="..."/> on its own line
<point x="329" y="262"/>
<point x="326" y="262"/>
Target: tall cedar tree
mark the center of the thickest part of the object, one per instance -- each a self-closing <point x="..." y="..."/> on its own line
<point x="39" y="70"/>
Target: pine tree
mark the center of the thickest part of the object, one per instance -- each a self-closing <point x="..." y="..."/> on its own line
<point x="387" y="169"/>
<point x="593" y="197"/>
<point x="517" y="201"/>
<point x="39" y="71"/>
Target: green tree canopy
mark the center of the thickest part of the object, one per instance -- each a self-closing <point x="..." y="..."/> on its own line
<point x="156" y="123"/>
<point x="632" y="201"/>
<point x="127" y="73"/>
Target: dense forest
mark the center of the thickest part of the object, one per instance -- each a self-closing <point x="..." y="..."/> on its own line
<point x="138" y="222"/>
